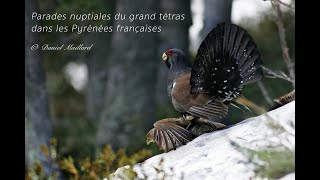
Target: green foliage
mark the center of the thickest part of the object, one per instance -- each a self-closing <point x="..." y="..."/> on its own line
<point x="76" y="137"/>
<point x="272" y="162"/>
<point x="105" y="163"/>
<point x="277" y="163"/>
<point x="36" y="172"/>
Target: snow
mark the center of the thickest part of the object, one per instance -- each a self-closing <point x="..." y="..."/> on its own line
<point x="290" y="176"/>
<point x="212" y="155"/>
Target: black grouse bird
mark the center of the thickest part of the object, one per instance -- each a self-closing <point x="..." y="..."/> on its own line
<point x="227" y="59"/>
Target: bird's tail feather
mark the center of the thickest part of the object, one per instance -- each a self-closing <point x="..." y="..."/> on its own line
<point x="249" y="105"/>
<point x="227" y="59"/>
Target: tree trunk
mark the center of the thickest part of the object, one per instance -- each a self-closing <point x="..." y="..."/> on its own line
<point x="38" y="128"/>
<point x="174" y="34"/>
<point x="129" y="110"/>
<point x="97" y="68"/>
<point x="215" y="11"/>
<point x="97" y="71"/>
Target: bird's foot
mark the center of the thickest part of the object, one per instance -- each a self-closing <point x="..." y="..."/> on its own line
<point x="200" y="126"/>
<point x="188" y="117"/>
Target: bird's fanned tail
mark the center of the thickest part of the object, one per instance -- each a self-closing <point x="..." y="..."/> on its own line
<point x="227" y="59"/>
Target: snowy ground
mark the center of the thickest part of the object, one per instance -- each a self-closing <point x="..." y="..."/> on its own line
<point x="212" y="156"/>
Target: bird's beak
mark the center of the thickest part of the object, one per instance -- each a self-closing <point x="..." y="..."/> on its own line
<point x="164" y="56"/>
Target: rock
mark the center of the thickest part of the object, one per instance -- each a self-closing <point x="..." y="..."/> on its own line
<point x="214" y="155"/>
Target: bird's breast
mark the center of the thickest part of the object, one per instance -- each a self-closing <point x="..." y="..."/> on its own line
<point x="180" y="93"/>
<point x="181" y="96"/>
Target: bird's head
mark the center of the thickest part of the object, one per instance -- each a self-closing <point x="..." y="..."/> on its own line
<point x="175" y="57"/>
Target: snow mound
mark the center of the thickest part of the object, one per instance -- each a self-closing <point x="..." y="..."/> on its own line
<point x="214" y="156"/>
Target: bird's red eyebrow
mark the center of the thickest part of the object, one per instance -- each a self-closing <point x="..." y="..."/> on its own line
<point x="169" y="52"/>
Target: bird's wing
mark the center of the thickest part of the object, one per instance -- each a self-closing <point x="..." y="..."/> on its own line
<point x="198" y="105"/>
<point x="227" y="59"/>
<point x="170" y="134"/>
<point x="200" y="126"/>
<point x="211" y="109"/>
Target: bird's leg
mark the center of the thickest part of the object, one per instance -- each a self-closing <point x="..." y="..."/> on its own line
<point x="200" y="126"/>
<point x="192" y="120"/>
<point x="187" y="117"/>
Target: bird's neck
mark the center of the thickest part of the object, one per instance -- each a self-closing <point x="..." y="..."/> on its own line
<point x="180" y="66"/>
<point x="174" y="73"/>
<point x="178" y="69"/>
